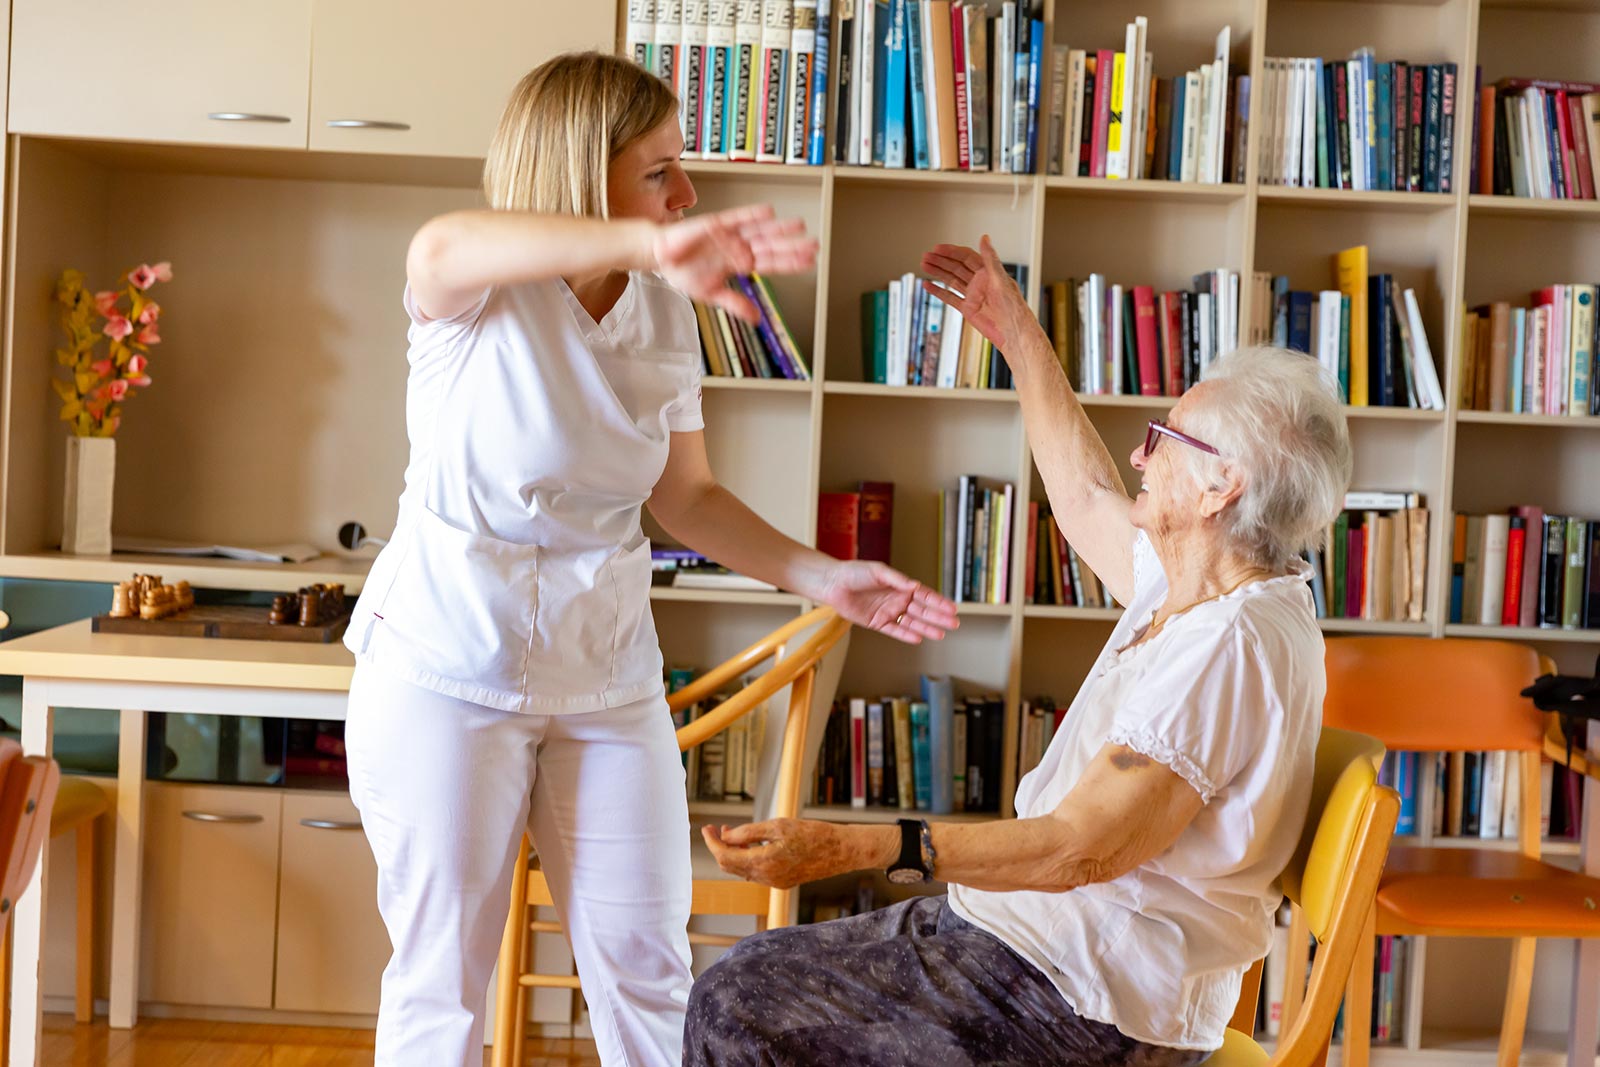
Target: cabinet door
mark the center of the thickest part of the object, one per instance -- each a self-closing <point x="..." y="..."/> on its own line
<point x="332" y="946"/>
<point x="210" y="895"/>
<point x="419" y="77"/>
<point x="195" y="71"/>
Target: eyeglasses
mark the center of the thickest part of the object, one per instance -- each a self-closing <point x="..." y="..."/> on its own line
<point x="1159" y="429"/>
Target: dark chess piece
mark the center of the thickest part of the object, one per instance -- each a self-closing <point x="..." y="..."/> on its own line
<point x="308" y="607"/>
<point x="279" y="613"/>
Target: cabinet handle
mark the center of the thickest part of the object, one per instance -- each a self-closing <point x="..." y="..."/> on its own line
<point x="330" y="824"/>
<point x="367" y="124"/>
<point x="212" y="816"/>
<point x="246" y="116"/>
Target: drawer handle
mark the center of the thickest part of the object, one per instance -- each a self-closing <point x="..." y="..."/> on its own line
<point x="367" y="124"/>
<point x="246" y="116"/>
<point x="212" y="816"/>
<point x="330" y="824"/>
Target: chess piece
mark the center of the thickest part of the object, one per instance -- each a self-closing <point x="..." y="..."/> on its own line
<point x="122" y="601"/>
<point x="149" y="609"/>
<point x="278" y="614"/>
<point x="308" y="607"/>
<point x="185" y="596"/>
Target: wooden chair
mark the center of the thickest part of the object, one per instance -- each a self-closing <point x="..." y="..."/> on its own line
<point x="79" y="805"/>
<point x="28" y="787"/>
<point x="795" y="669"/>
<point x="1453" y="695"/>
<point x="1332" y="879"/>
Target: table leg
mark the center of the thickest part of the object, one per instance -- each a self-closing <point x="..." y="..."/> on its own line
<point x="127" y="871"/>
<point x="27" y="922"/>
<point x="1585" y="1025"/>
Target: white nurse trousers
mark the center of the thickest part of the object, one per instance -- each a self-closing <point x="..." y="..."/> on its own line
<point x="445" y="789"/>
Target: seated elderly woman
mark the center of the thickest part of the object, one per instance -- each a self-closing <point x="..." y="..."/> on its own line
<point x="1112" y="921"/>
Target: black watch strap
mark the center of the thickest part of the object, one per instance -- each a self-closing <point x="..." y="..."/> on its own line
<point x="911" y="859"/>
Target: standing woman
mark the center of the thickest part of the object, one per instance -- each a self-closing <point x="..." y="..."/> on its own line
<point x="508" y="674"/>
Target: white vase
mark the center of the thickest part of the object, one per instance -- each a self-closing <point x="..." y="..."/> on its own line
<point x="91" y="474"/>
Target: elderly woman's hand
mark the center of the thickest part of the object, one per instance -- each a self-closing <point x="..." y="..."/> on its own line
<point x="784" y="853"/>
<point x="975" y="282"/>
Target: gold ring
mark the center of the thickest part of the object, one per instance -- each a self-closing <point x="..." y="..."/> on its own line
<point x="900" y="619"/>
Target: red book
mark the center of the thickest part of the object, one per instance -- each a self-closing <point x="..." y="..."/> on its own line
<point x="875" y="522"/>
<point x="1354" y="574"/>
<point x="1102" y="113"/>
<point x="1172" y="342"/>
<point x="1032" y="546"/>
<point x="1582" y="161"/>
<point x="1532" y="519"/>
<point x="958" y="58"/>
<point x="1569" y="176"/>
<point x="1486" y="117"/>
<point x="1144" y="333"/>
<point x="1516" y="547"/>
<point x="858" y="755"/>
<point x="838" y="524"/>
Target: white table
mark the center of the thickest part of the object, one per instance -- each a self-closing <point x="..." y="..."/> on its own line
<point x="71" y="667"/>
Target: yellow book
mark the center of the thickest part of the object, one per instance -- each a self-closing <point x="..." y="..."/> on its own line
<point x="1114" y="106"/>
<point x="1351" y="268"/>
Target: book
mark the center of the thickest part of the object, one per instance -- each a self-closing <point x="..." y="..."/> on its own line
<point x="839" y="525"/>
<point x="875" y="521"/>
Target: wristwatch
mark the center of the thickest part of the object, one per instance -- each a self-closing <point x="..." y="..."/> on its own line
<point x="915" y="864"/>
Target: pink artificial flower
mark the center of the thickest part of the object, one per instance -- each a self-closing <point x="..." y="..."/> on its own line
<point x="117" y="326"/>
<point x="118" y="388"/>
<point x="136" y="364"/>
<point x="105" y="302"/>
<point x="142" y="276"/>
<point x="139" y="380"/>
<point x="151" y="312"/>
<point x="149" y="335"/>
<point x="102" y="392"/>
<point x="162" y="271"/>
<point x="95" y="408"/>
<point x="101" y="367"/>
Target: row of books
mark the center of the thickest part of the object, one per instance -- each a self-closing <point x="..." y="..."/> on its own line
<point x="733" y="348"/>
<point x="1374" y="562"/>
<point x="1526" y="568"/>
<point x="911" y="337"/>
<point x="936" y="85"/>
<point x="684" y="568"/>
<point x="1479" y="794"/>
<point x="1115" y="118"/>
<point x="1365" y="329"/>
<point x="1037" y="723"/>
<point x="723" y="767"/>
<point x="1390" y="959"/>
<point x="1537" y="360"/>
<point x="1538" y="139"/>
<point x="1130" y="340"/>
<point x="858" y="524"/>
<point x="815" y="908"/>
<point x="751" y="75"/>
<point x="1055" y="575"/>
<point x="933" y="753"/>
<point x="974" y="541"/>
<point x="1358" y="124"/>
<point x="1323" y="324"/>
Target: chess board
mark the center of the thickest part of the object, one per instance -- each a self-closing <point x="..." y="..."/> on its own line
<point x="237" y="621"/>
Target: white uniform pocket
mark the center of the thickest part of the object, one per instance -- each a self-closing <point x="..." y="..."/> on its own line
<point x="462" y="605"/>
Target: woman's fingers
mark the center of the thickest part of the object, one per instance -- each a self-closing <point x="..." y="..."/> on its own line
<point x="736" y="304"/>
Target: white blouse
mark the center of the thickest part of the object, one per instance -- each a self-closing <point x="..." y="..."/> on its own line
<point x="1229" y="696"/>
<point x="518" y="576"/>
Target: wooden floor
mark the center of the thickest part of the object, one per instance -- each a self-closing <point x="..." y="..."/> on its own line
<point x="185" y="1043"/>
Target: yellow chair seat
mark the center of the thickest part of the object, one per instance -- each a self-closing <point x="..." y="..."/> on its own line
<point x="1238" y="1050"/>
<point x="78" y="800"/>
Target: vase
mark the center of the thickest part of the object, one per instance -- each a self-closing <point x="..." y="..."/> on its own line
<point x="91" y="473"/>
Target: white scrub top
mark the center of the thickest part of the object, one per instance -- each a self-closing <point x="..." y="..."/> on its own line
<point x="518" y="576"/>
<point x="1229" y="696"/>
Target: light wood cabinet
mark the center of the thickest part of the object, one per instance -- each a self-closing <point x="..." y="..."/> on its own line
<point x="189" y="71"/>
<point x="210" y="895"/>
<point x="332" y="946"/>
<point x="423" y="78"/>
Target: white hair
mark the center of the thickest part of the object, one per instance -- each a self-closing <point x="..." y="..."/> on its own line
<point x="1275" y="417"/>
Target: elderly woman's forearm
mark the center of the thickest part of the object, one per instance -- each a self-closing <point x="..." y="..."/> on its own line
<point x="1018" y="854"/>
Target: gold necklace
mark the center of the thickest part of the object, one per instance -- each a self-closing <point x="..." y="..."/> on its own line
<point x="1157" y="624"/>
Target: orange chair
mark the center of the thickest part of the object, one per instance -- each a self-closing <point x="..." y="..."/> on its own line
<point x="1455" y="695"/>
<point x="27" y="796"/>
<point x="795" y="669"/>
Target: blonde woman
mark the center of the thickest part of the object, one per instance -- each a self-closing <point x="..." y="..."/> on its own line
<point x="508" y="674"/>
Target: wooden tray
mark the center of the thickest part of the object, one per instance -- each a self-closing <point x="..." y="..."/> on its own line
<point x="238" y="621"/>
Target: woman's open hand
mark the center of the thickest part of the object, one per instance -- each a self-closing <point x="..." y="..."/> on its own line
<point x="880" y="598"/>
<point x="783" y="853"/>
<point x="698" y="255"/>
<point x="976" y="284"/>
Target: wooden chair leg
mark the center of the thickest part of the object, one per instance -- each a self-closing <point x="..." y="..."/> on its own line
<point x="508" y="991"/>
<point x="1358" y="1000"/>
<point x="1294" y="980"/>
<point x="1515" y="1019"/>
<point x="83" y="1004"/>
<point x="519" y="999"/>
<point x="5" y="996"/>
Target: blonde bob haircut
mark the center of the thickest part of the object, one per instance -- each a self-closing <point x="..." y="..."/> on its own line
<point x="566" y="121"/>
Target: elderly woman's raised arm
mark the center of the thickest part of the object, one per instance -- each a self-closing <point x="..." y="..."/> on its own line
<point x="1080" y="477"/>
